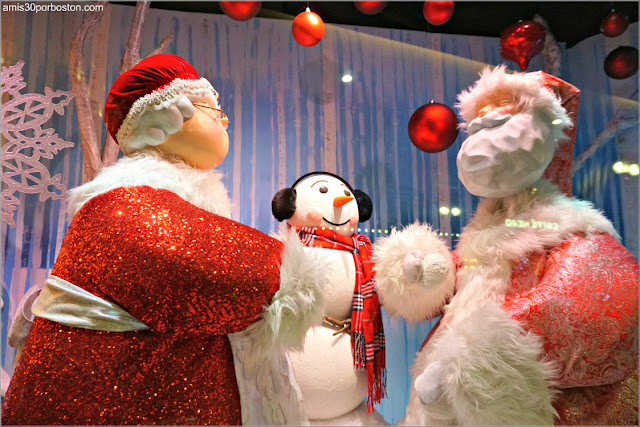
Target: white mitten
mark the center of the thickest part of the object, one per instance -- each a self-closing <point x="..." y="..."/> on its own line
<point x="415" y="273"/>
<point x="412" y="266"/>
<point x="430" y="270"/>
<point x="428" y="385"/>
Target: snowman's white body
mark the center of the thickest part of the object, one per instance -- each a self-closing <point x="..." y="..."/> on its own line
<point x="333" y="390"/>
<point x="408" y="282"/>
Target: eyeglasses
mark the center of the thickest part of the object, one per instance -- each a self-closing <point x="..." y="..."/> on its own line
<point x="219" y="116"/>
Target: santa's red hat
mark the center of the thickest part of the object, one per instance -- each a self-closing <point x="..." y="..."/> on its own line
<point x="152" y="99"/>
<point x="537" y="91"/>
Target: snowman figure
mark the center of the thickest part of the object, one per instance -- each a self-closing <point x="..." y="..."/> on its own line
<point x="333" y="371"/>
<point x="325" y="211"/>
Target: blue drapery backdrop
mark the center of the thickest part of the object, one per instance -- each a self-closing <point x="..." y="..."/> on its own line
<point x="291" y="114"/>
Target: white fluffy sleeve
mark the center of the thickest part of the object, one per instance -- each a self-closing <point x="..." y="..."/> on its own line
<point x="425" y="298"/>
<point x="298" y="304"/>
<point x="494" y="372"/>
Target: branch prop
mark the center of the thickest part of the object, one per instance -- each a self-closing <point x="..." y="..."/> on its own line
<point x="550" y="51"/>
<point x="92" y="162"/>
<point x="344" y="325"/>
<point x="619" y="122"/>
<point x="132" y="53"/>
<point x="162" y="45"/>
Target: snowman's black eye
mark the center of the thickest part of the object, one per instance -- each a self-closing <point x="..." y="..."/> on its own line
<point x="347" y="193"/>
<point x="323" y="189"/>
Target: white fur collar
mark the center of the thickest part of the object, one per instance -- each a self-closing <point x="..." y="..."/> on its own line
<point x="551" y="216"/>
<point x="489" y="244"/>
<point x="203" y="189"/>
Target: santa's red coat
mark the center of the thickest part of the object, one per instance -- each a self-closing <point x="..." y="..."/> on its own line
<point x="581" y="297"/>
<point x="191" y="276"/>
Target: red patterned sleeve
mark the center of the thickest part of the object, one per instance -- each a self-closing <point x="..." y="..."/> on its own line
<point x="585" y="307"/>
<point x="170" y="264"/>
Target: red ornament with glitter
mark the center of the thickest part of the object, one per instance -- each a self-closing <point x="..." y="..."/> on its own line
<point x="370" y="7"/>
<point x="614" y="24"/>
<point x="433" y="127"/>
<point x="437" y="12"/>
<point x="522" y="41"/>
<point x="308" y="28"/>
<point x="240" y="10"/>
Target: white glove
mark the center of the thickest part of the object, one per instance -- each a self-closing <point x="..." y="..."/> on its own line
<point x="428" y="385"/>
<point x="429" y="270"/>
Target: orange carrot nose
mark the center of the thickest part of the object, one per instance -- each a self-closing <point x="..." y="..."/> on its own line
<point x="339" y="202"/>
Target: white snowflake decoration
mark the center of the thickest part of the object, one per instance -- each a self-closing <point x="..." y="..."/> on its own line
<point x="25" y="142"/>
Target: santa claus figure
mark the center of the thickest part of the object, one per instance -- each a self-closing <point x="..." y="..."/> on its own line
<point x="160" y="309"/>
<point x="543" y="325"/>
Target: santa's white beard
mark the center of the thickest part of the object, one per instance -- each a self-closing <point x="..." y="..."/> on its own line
<point x="505" y="154"/>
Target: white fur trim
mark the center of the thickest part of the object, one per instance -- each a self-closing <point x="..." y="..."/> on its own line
<point x="159" y="113"/>
<point x="269" y="393"/>
<point x="297" y="305"/>
<point x="529" y="95"/>
<point x="492" y="374"/>
<point x="203" y="189"/>
<point x="414" y="301"/>
<point x="496" y="374"/>
<point x="487" y="237"/>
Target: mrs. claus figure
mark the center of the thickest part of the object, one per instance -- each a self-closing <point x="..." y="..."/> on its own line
<point x="543" y="325"/>
<point x="160" y="309"/>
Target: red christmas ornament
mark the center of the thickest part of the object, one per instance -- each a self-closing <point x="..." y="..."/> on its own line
<point x="614" y="24"/>
<point x="370" y="7"/>
<point x="522" y="41"/>
<point x="437" y="12"/>
<point x="307" y="28"/>
<point x="240" y="10"/>
<point x="433" y="127"/>
<point x="621" y="63"/>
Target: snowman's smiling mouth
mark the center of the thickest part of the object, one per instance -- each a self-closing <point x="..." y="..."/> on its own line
<point x="333" y="223"/>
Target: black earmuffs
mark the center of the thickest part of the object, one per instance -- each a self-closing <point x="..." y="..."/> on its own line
<point x="283" y="204"/>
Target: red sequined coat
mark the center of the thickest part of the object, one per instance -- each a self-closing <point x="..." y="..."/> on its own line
<point x="191" y="276"/>
<point x="552" y="265"/>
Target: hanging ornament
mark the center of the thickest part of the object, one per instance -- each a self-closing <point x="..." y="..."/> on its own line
<point x="240" y="10"/>
<point x="522" y="41"/>
<point x="621" y="63"/>
<point x="370" y="7"/>
<point x="614" y="24"/>
<point x="437" y="12"/>
<point x="433" y="127"/>
<point x="307" y="28"/>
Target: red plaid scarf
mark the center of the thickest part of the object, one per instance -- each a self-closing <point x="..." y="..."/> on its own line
<point x="367" y="334"/>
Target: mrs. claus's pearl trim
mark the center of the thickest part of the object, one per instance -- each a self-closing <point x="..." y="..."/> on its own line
<point x="163" y="98"/>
